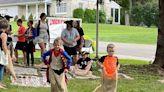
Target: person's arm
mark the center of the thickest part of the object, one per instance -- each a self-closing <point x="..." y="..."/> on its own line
<point x="100" y="61"/>
<point x="69" y="59"/>
<point x="4" y="42"/>
<point x="64" y="39"/>
<point x="44" y="57"/>
<point x="118" y="65"/>
<point x="34" y="33"/>
<point x="77" y="36"/>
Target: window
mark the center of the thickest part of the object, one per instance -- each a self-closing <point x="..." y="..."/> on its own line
<point x="116" y="15"/>
<point x="111" y="12"/>
<point x="61" y="8"/>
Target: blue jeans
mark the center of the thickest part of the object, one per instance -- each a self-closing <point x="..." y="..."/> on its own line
<point x="1" y="72"/>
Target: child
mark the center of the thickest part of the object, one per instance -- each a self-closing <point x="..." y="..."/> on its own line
<point x="58" y="66"/>
<point x="30" y="47"/>
<point x="20" y="45"/>
<point x="109" y="65"/>
<point x="83" y="65"/>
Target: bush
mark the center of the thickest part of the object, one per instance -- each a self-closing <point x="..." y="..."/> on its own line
<point x="16" y="18"/>
<point x="23" y="18"/>
<point x="102" y="16"/>
<point x="30" y="17"/>
<point x="78" y="13"/>
<point x="90" y="16"/>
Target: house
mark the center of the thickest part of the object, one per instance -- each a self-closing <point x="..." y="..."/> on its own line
<point x="53" y="8"/>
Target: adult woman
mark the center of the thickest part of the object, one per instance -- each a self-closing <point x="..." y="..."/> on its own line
<point x="80" y="42"/>
<point x="3" y="48"/>
<point x="70" y="36"/>
<point x="42" y="32"/>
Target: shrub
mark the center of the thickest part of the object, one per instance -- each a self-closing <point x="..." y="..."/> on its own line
<point x="102" y="17"/>
<point x="90" y="16"/>
<point x="23" y="18"/>
<point x="30" y="17"/>
<point x="78" y="13"/>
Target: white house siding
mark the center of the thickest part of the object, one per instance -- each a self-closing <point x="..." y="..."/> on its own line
<point x="22" y="10"/>
<point x="9" y="10"/>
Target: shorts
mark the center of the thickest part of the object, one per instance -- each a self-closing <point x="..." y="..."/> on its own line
<point x="43" y="38"/>
<point x="71" y="50"/>
<point x="20" y="46"/>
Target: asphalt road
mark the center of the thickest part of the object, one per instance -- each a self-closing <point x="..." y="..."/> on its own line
<point x="131" y="51"/>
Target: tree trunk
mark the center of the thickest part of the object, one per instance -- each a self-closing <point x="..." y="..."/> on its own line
<point x="159" y="57"/>
<point x="126" y="18"/>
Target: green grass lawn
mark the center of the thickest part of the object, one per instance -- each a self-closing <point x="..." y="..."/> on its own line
<point x="120" y="33"/>
<point x="143" y="81"/>
<point x="116" y="33"/>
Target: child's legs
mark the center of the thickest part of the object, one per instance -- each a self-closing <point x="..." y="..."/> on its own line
<point x="24" y="56"/>
<point x="42" y="47"/>
<point x="61" y="83"/>
<point x="27" y="57"/>
<point x="32" y="58"/>
<point x="109" y="85"/>
<point x="16" y="54"/>
<point x="58" y="83"/>
<point x="1" y="72"/>
<point x="52" y="80"/>
<point x="81" y="72"/>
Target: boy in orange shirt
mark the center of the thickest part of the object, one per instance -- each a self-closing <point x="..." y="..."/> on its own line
<point x="110" y="66"/>
<point x="20" y="45"/>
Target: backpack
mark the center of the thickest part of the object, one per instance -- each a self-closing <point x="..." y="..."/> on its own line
<point x="110" y="67"/>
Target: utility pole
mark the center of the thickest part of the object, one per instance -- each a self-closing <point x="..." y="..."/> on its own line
<point x="97" y="27"/>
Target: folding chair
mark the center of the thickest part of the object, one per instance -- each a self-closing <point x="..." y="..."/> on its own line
<point x="87" y="46"/>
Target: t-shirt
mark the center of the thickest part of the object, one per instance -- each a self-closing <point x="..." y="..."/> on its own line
<point x="69" y="36"/>
<point x="103" y="57"/>
<point x="83" y="63"/>
<point x="21" y="30"/>
<point x="81" y="33"/>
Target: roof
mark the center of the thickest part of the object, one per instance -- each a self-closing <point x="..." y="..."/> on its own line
<point x="20" y="2"/>
<point x="16" y="1"/>
<point x="114" y="4"/>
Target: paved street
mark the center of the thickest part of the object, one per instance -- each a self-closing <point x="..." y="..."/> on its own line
<point x="132" y="51"/>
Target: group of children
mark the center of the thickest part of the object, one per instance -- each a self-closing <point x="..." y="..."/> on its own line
<point x="60" y="62"/>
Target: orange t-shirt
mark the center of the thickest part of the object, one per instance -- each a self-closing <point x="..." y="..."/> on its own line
<point x="21" y="30"/>
<point x="110" y="66"/>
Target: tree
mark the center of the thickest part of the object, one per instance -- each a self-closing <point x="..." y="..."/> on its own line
<point x="159" y="57"/>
